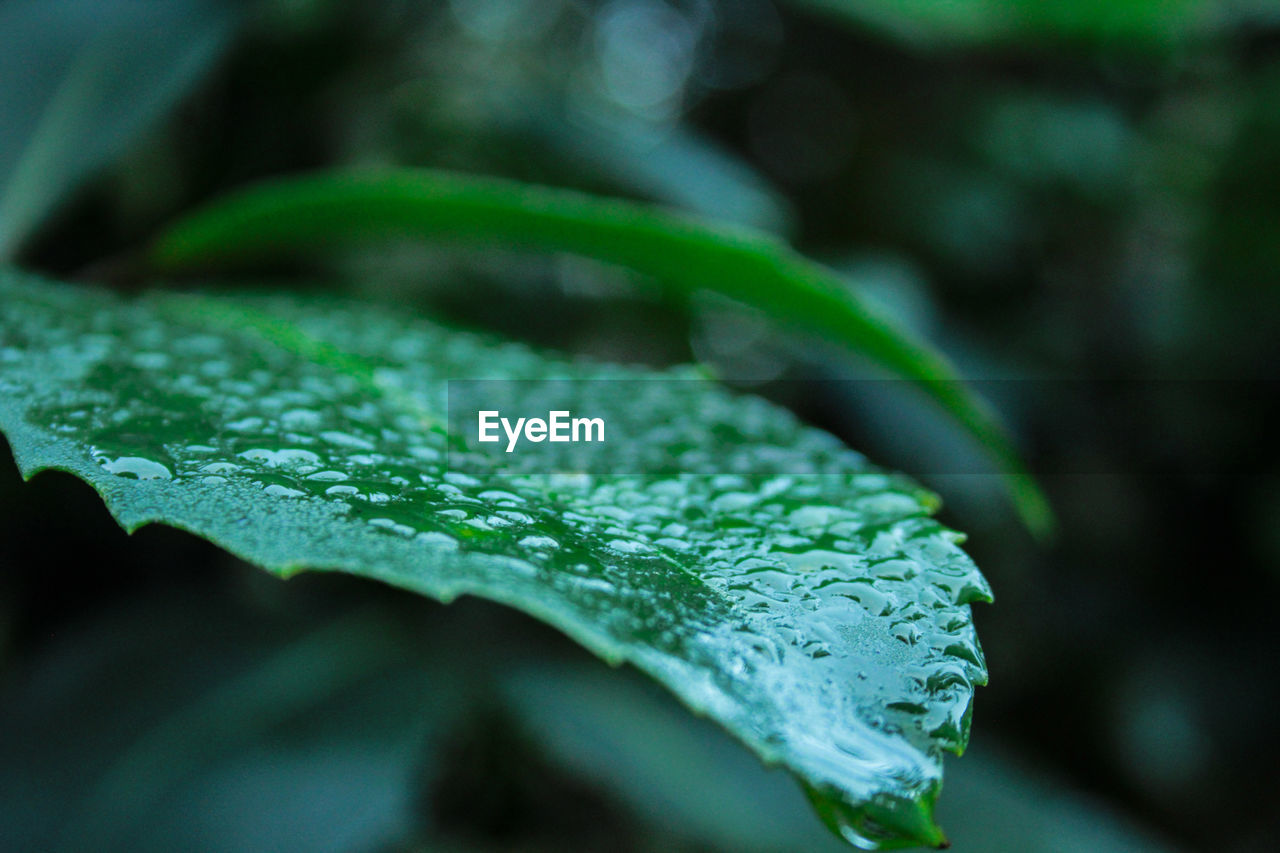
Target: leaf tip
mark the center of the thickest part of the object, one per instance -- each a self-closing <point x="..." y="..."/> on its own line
<point x="886" y="821"/>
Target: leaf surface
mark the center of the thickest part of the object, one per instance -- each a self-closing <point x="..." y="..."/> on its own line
<point x="777" y="583"/>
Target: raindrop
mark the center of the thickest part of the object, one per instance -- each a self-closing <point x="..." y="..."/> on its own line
<point x="344" y="439"/>
<point x="137" y="468"/>
<point x="285" y="458"/>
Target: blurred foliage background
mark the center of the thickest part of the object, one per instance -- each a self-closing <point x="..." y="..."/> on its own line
<point x="1079" y="202"/>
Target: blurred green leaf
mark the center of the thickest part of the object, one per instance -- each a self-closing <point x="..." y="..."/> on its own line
<point x="248" y="734"/>
<point x="674" y="770"/>
<point x="316" y="212"/>
<point x="1135" y="23"/>
<point x="92" y="74"/>
<point x="673" y="165"/>
<point x="679" y="771"/>
<point x="329" y="761"/>
<point x="778" y="583"/>
<point x="297" y="677"/>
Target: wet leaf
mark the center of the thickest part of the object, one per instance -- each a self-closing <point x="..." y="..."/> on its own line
<point x="778" y="583"/>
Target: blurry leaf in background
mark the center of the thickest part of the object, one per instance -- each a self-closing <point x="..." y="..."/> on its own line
<point x="647" y="751"/>
<point x="546" y="92"/>
<point x="676" y="166"/>
<point x="321" y="211"/>
<point x="672" y="164"/>
<point x="628" y="739"/>
<point x="82" y="77"/>
<point x="1134" y="23"/>
<point x="367" y="756"/>
<point x="177" y="722"/>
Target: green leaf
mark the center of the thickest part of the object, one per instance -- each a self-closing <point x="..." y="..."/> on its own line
<point x="1136" y="24"/>
<point x="81" y="78"/>
<point x="778" y="583"/>
<point x="316" y="212"/>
